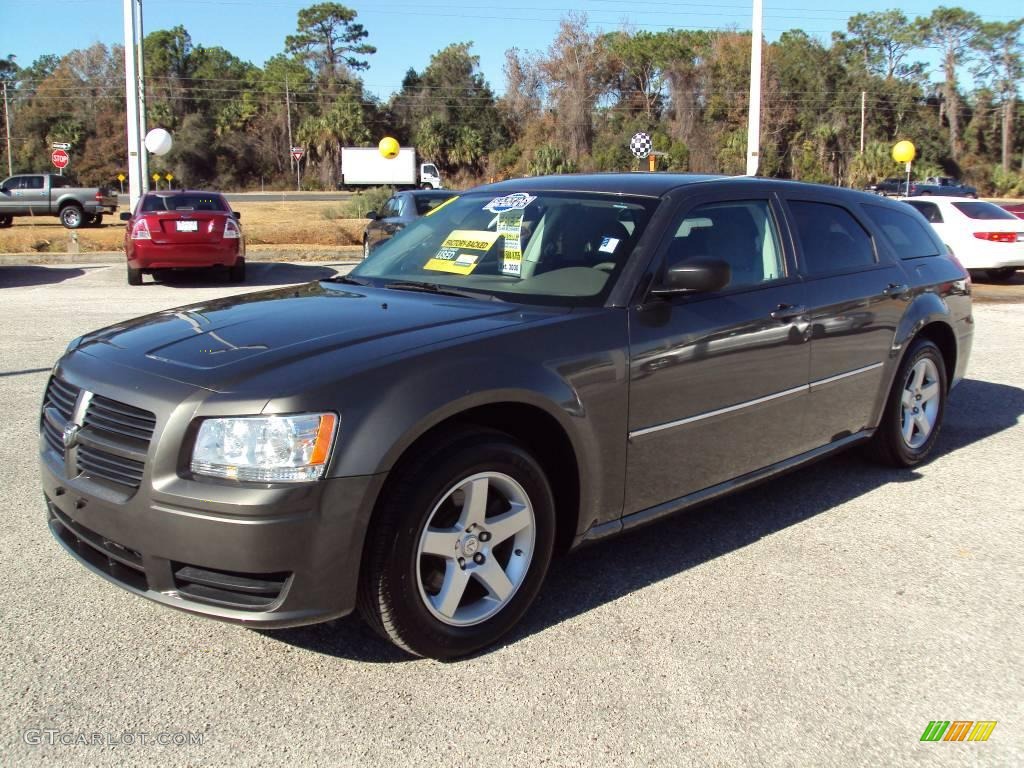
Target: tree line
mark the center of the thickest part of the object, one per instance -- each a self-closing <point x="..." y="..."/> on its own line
<point x="571" y="107"/>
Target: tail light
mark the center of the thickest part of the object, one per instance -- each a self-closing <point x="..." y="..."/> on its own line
<point x="99" y="194"/>
<point x="997" y="237"/>
<point x="231" y="230"/>
<point x="140" y="230"/>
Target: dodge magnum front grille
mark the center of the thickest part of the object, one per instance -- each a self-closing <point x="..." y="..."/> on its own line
<point x="101" y="438"/>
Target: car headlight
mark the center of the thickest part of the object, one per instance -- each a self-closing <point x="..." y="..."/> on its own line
<point x="265" y="449"/>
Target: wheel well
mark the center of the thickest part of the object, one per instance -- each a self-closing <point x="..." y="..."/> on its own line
<point x="942" y="336"/>
<point x="69" y="204"/>
<point x="544" y="438"/>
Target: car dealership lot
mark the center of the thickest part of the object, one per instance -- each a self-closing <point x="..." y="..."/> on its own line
<point x="826" y="617"/>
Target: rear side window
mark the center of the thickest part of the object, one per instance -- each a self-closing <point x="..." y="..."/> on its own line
<point x="831" y="239"/>
<point x="57" y="182"/>
<point x="425" y="205"/>
<point x="983" y="210"/>
<point x="929" y="210"/>
<point x="904" y="232"/>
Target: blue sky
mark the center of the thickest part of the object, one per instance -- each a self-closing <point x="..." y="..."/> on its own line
<point x="406" y="33"/>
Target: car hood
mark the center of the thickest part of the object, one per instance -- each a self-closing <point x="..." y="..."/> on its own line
<point x="218" y="344"/>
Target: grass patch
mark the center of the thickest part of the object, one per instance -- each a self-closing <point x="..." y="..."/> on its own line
<point x="361" y="203"/>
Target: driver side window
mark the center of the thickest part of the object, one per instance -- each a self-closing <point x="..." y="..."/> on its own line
<point x="742" y="233"/>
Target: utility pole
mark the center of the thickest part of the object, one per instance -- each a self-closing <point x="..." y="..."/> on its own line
<point x="144" y="155"/>
<point x="135" y="178"/>
<point x="6" y="114"/>
<point x="288" y="108"/>
<point x="754" y="113"/>
<point x="863" y="112"/>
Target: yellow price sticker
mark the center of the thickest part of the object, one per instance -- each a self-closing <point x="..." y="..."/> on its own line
<point x="452" y="256"/>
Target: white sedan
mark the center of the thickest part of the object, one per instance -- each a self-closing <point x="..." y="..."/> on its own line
<point x="981" y="235"/>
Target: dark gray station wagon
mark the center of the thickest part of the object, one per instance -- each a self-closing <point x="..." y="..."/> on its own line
<point x="534" y="365"/>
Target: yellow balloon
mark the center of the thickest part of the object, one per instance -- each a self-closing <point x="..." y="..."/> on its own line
<point x="904" y="152"/>
<point x="388" y="147"/>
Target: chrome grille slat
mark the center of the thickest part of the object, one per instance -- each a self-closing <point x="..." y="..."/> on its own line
<point x="102" y="465"/>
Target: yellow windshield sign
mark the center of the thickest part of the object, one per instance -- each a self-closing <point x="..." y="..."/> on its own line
<point x="462" y="251"/>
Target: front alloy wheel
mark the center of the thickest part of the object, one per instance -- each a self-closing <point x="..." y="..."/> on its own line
<point x="459" y="544"/>
<point x="471" y="564"/>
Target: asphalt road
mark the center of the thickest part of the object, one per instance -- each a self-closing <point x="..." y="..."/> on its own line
<point x="822" y="619"/>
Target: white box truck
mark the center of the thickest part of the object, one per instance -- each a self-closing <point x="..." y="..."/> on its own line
<point x="366" y="166"/>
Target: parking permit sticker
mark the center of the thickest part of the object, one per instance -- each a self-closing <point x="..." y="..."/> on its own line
<point x="517" y="201"/>
<point x="461" y="251"/>
<point x="608" y="244"/>
<point x="510" y="227"/>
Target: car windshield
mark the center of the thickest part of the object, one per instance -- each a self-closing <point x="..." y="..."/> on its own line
<point x="546" y="248"/>
<point x="983" y="210"/>
<point x="183" y="202"/>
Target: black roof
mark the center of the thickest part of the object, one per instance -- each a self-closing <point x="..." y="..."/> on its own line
<point x="656" y="184"/>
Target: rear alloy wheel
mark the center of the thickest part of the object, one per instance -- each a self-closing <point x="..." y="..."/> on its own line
<point x="134" y="276"/>
<point x="1003" y="275"/>
<point x="459" y="546"/>
<point x="914" y="411"/>
<point x="96" y="220"/>
<point x="6" y="221"/>
<point x="237" y="273"/>
<point x="72" y="217"/>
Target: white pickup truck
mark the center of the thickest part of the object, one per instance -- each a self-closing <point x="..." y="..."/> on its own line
<point x="47" y="194"/>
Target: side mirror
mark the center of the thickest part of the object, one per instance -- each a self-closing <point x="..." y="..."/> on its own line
<point x="125" y="216"/>
<point x="701" y="275"/>
<point x="372" y="215"/>
<point x="236" y="215"/>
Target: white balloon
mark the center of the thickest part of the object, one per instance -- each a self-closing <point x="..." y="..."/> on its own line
<point x="158" y="141"/>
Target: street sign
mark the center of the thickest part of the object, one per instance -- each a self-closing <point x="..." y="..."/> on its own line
<point x="60" y="158"/>
<point x="298" y="152"/>
<point x="169" y="177"/>
<point x="60" y="145"/>
<point x="120" y="177"/>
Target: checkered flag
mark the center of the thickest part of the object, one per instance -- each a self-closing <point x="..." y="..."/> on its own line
<point x="640" y="145"/>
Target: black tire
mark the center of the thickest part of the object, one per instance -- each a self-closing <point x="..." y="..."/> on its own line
<point x="394" y="590"/>
<point x="96" y="220"/>
<point x="6" y="221"/>
<point x="72" y="217"/>
<point x="237" y="273"/>
<point x="889" y="444"/>
<point x="424" y="185"/>
<point x="134" y="276"/>
<point x="1003" y="275"/>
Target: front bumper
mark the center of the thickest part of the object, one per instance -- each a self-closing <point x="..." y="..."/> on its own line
<point x="294" y="560"/>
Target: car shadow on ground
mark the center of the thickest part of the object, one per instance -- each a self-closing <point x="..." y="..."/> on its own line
<point x="604" y="572"/>
<point x="19" y="276"/>
<point x="257" y="274"/>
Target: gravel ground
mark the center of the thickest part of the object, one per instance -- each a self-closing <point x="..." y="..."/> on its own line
<point x="822" y="619"/>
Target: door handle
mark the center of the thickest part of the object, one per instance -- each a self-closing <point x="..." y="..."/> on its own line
<point x="788" y="311"/>
<point x="896" y="290"/>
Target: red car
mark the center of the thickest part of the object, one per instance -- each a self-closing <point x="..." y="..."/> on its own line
<point x="183" y="230"/>
<point x="1017" y="209"/>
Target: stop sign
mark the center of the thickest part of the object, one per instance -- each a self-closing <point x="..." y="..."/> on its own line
<point x="60" y="158"/>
